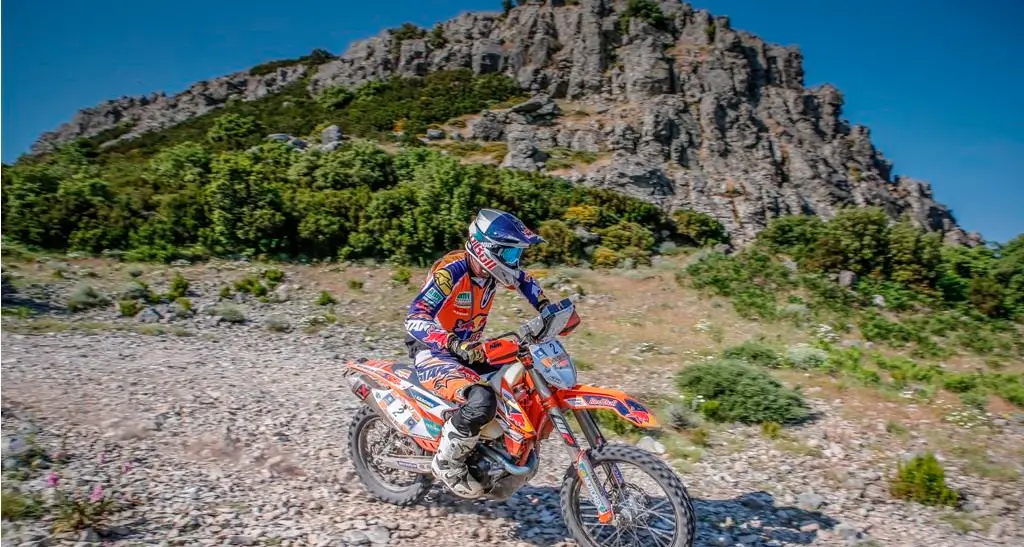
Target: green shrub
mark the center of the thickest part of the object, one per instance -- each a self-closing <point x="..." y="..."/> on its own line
<point x="961" y="383"/>
<point x="561" y="245"/>
<point x="273" y="276"/>
<point x="184" y="304"/>
<point x="85" y="297"/>
<point x="325" y="299"/>
<point x="922" y="479"/>
<point x="771" y="430"/>
<point x="754" y="353"/>
<point x="355" y="284"/>
<point x="277" y="323"/>
<point x="179" y="287"/>
<point x="401" y="275"/>
<point x="608" y="420"/>
<point x="699" y="229"/>
<point x="646" y="10"/>
<point x="975" y="400"/>
<point x="700" y="436"/>
<point x="605" y="258"/>
<point x="225" y="292"/>
<point x="626" y="234"/>
<point x="735" y="392"/>
<point x="805" y="357"/>
<point x="18" y="506"/>
<point x="231" y="314"/>
<point x="250" y="285"/>
<point x="135" y="271"/>
<point x="128" y="308"/>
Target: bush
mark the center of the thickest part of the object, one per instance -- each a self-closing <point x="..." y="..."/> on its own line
<point x="183" y="304"/>
<point x="325" y="299"/>
<point x="805" y="357"/>
<point x="18" y="506"/>
<point x="605" y="258"/>
<point x="771" y="430"/>
<point x="225" y="292"/>
<point x="735" y="392"/>
<point x="179" y="287"/>
<point x="922" y="479"/>
<point x="250" y="285"/>
<point x="135" y="271"/>
<point x="699" y="229"/>
<point x="646" y="10"/>
<point x="128" y="308"/>
<point x="231" y="314"/>
<point x="753" y="353"/>
<point x="401" y="275"/>
<point x="608" y="420"/>
<point x="273" y="276"/>
<point x="277" y="323"/>
<point x="355" y="284"/>
<point x="85" y="297"/>
<point x="561" y="245"/>
<point x="626" y="234"/>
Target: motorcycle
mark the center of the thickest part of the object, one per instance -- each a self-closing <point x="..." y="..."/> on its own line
<point x="393" y="437"/>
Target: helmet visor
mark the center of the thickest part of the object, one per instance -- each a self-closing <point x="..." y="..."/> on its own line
<point x="509" y="256"/>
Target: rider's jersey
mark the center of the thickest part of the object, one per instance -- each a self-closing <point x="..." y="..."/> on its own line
<point x="452" y="301"/>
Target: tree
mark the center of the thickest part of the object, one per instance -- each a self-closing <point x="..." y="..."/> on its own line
<point x="699" y="228"/>
<point x="855" y="240"/>
<point x="334" y="98"/>
<point x="232" y="131"/>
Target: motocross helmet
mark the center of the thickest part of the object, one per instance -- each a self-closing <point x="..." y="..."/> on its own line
<point x="496" y="242"/>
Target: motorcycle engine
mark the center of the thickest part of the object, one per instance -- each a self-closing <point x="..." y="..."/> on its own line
<point x="498" y="484"/>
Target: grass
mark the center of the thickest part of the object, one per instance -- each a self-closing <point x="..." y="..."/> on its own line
<point x="43" y="325"/>
<point x="325" y="299"/>
<point x="967" y="522"/>
<point x="18" y="506"/>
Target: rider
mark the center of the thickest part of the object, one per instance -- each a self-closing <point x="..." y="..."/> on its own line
<point x="444" y="325"/>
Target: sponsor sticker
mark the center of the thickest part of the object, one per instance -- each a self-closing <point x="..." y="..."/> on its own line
<point x="418" y="324"/>
<point x="433" y="297"/>
<point x="464" y="299"/>
<point x="443" y="278"/>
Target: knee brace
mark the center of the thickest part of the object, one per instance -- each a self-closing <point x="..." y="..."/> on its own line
<point x="479" y="409"/>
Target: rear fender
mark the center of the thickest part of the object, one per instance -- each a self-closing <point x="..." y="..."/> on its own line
<point x="387" y="397"/>
<point x="599" y="398"/>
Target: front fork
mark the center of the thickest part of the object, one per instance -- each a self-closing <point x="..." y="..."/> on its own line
<point x="584" y="469"/>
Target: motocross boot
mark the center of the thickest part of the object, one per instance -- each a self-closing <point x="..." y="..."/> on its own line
<point x="449" y="464"/>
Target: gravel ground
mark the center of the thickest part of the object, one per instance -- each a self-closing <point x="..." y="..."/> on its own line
<point x="236" y="436"/>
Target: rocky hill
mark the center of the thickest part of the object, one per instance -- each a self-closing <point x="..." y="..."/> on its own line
<point x="679" y="109"/>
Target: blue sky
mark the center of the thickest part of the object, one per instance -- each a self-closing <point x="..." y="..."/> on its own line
<point x="938" y="82"/>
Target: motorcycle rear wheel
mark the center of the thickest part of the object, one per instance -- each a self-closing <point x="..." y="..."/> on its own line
<point x="634" y="520"/>
<point x="362" y="452"/>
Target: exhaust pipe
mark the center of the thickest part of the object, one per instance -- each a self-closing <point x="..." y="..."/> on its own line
<point x="511" y="468"/>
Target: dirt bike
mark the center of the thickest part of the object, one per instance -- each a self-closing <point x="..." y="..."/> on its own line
<point x="393" y="437"/>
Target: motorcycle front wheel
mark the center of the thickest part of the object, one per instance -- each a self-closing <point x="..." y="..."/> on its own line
<point x="651" y="505"/>
<point x="371" y="438"/>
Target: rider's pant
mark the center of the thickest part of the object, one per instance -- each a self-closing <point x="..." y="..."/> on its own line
<point x="443" y="374"/>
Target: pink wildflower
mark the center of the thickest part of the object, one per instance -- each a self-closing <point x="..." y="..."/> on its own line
<point x="52" y="479"/>
<point x="126" y="468"/>
<point x="103" y="457"/>
<point x="97" y="494"/>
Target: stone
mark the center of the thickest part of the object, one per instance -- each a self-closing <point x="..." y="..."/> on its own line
<point x="149" y="315"/>
<point x="242" y="540"/>
<point x="649" y="444"/>
<point x="435" y="134"/>
<point x="847" y="278"/>
<point x="810" y="501"/>
<point x="377" y="534"/>
<point x="331" y="134"/>
<point x="878" y="301"/>
<point x="356" y="537"/>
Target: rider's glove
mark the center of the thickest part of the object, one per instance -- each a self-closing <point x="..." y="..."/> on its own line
<point x="469" y="352"/>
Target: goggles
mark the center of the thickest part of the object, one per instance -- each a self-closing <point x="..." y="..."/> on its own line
<point x="508" y="255"/>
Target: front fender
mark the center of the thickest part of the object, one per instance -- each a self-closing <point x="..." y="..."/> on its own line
<point x="599" y="398"/>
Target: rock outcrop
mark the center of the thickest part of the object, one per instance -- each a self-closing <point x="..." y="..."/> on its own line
<point x="688" y="114"/>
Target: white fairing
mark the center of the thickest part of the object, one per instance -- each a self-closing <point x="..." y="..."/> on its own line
<point x="554" y="364"/>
